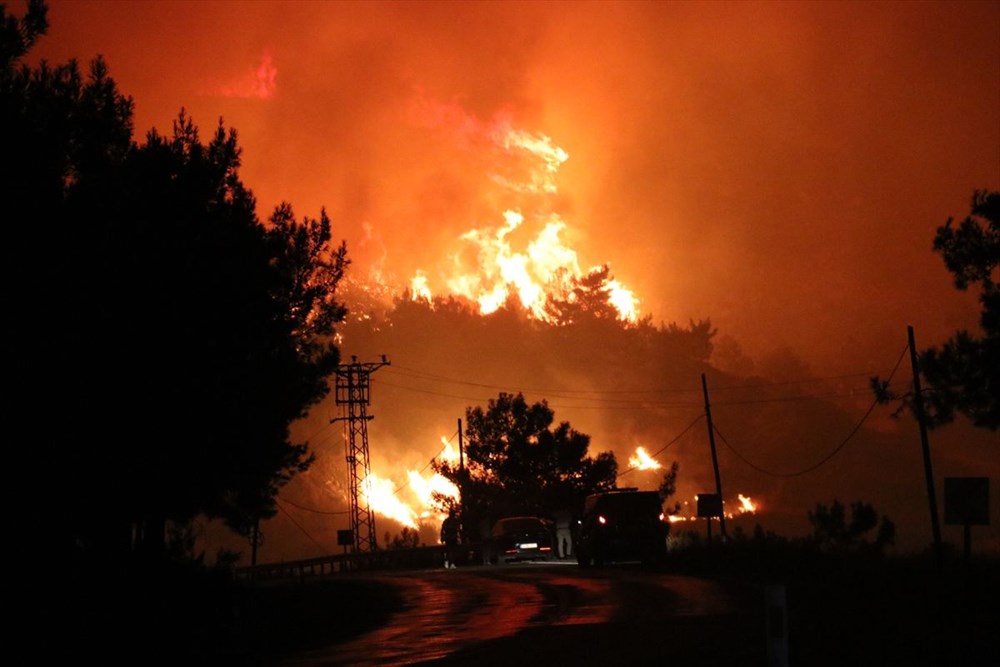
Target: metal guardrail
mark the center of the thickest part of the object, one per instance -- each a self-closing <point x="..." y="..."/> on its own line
<point x="381" y="560"/>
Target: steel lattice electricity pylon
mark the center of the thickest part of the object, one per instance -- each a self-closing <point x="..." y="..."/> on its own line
<point x="353" y="391"/>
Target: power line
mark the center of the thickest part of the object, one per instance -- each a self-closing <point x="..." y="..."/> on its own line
<point x="432" y="393"/>
<point x="309" y="509"/>
<point x="664" y="447"/>
<point x="778" y="383"/>
<point x="627" y="404"/>
<point x="427" y="465"/>
<point x="622" y="403"/>
<point x="576" y="393"/>
<point x="797" y="397"/>
<point x="829" y="456"/>
<point x="580" y="393"/>
<point x="299" y="526"/>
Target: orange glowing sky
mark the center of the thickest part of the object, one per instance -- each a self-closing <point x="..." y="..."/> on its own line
<point x="778" y="167"/>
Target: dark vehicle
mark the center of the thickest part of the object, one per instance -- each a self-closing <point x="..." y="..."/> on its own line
<point x="622" y="525"/>
<point x="519" y="538"/>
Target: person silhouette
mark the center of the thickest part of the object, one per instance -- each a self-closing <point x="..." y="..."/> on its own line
<point x="485" y="539"/>
<point x="564" y="533"/>
<point x="449" y="537"/>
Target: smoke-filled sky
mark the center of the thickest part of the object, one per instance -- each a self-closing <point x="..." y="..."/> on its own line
<point x="777" y="167"/>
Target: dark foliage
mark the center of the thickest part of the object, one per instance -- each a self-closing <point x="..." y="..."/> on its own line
<point x="407" y="538"/>
<point x="962" y="376"/>
<point x="859" y="606"/>
<point x="164" y="338"/>
<point x="519" y="462"/>
<point x="833" y="531"/>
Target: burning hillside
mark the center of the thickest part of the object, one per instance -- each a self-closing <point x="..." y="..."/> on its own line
<point x="510" y="309"/>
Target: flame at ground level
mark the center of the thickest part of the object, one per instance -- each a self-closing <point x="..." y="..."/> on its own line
<point x="746" y="506"/>
<point x="384" y="498"/>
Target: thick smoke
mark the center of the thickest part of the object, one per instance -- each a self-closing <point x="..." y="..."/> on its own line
<point x="776" y="168"/>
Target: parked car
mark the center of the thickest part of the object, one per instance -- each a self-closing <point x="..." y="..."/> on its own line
<point x="622" y="525"/>
<point x="520" y="538"/>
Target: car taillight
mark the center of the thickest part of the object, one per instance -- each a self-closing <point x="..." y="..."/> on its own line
<point x="661" y="517"/>
<point x="601" y="519"/>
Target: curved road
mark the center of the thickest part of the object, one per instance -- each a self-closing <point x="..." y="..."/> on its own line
<point x="558" y="614"/>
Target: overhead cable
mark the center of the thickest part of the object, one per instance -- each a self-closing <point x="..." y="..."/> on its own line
<point x="664" y="447"/>
<point x="836" y="450"/>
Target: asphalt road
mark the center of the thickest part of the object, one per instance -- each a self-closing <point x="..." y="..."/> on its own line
<point x="556" y="614"/>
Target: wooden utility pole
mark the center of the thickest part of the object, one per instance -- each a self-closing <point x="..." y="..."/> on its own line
<point x="715" y="461"/>
<point x="918" y="410"/>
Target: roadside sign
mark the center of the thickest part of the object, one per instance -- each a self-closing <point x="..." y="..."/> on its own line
<point x="709" y="505"/>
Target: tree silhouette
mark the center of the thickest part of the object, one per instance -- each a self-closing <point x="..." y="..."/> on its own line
<point x="668" y="486"/>
<point x="832" y="531"/>
<point x="964" y="372"/>
<point x="962" y="376"/>
<point x="17" y="36"/>
<point x="175" y="337"/>
<point x="517" y="462"/>
<point x="583" y="297"/>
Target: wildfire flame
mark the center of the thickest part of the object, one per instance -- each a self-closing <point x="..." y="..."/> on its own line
<point x="380" y="496"/>
<point x="533" y="272"/>
<point x="383" y="498"/>
<point x="643" y="461"/>
<point x="526" y="259"/>
<point x="747" y="506"/>
<point x="418" y="286"/>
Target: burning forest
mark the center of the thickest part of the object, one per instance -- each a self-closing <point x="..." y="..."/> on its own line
<point x="511" y="309"/>
<point x="723" y="230"/>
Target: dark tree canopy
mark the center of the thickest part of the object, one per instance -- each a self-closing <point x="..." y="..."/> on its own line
<point x="964" y="372"/>
<point x="519" y="462"/>
<point x="834" y="531"/>
<point x="962" y="376"/>
<point x="171" y="335"/>
<point x="17" y="36"/>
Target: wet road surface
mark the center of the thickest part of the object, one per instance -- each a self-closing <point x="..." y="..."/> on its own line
<point x="557" y="614"/>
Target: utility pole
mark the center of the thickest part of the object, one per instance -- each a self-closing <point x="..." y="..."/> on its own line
<point x="353" y="390"/>
<point x="256" y="540"/>
<point x="918" y="409"/>
<point x="715" y="460"/>
<point x="461" y="486"/>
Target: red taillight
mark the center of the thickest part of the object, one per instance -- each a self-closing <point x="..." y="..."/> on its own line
<point x="545" y="549"/>
<point x="661" y="517"/>
<point x="601" y="520"/>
